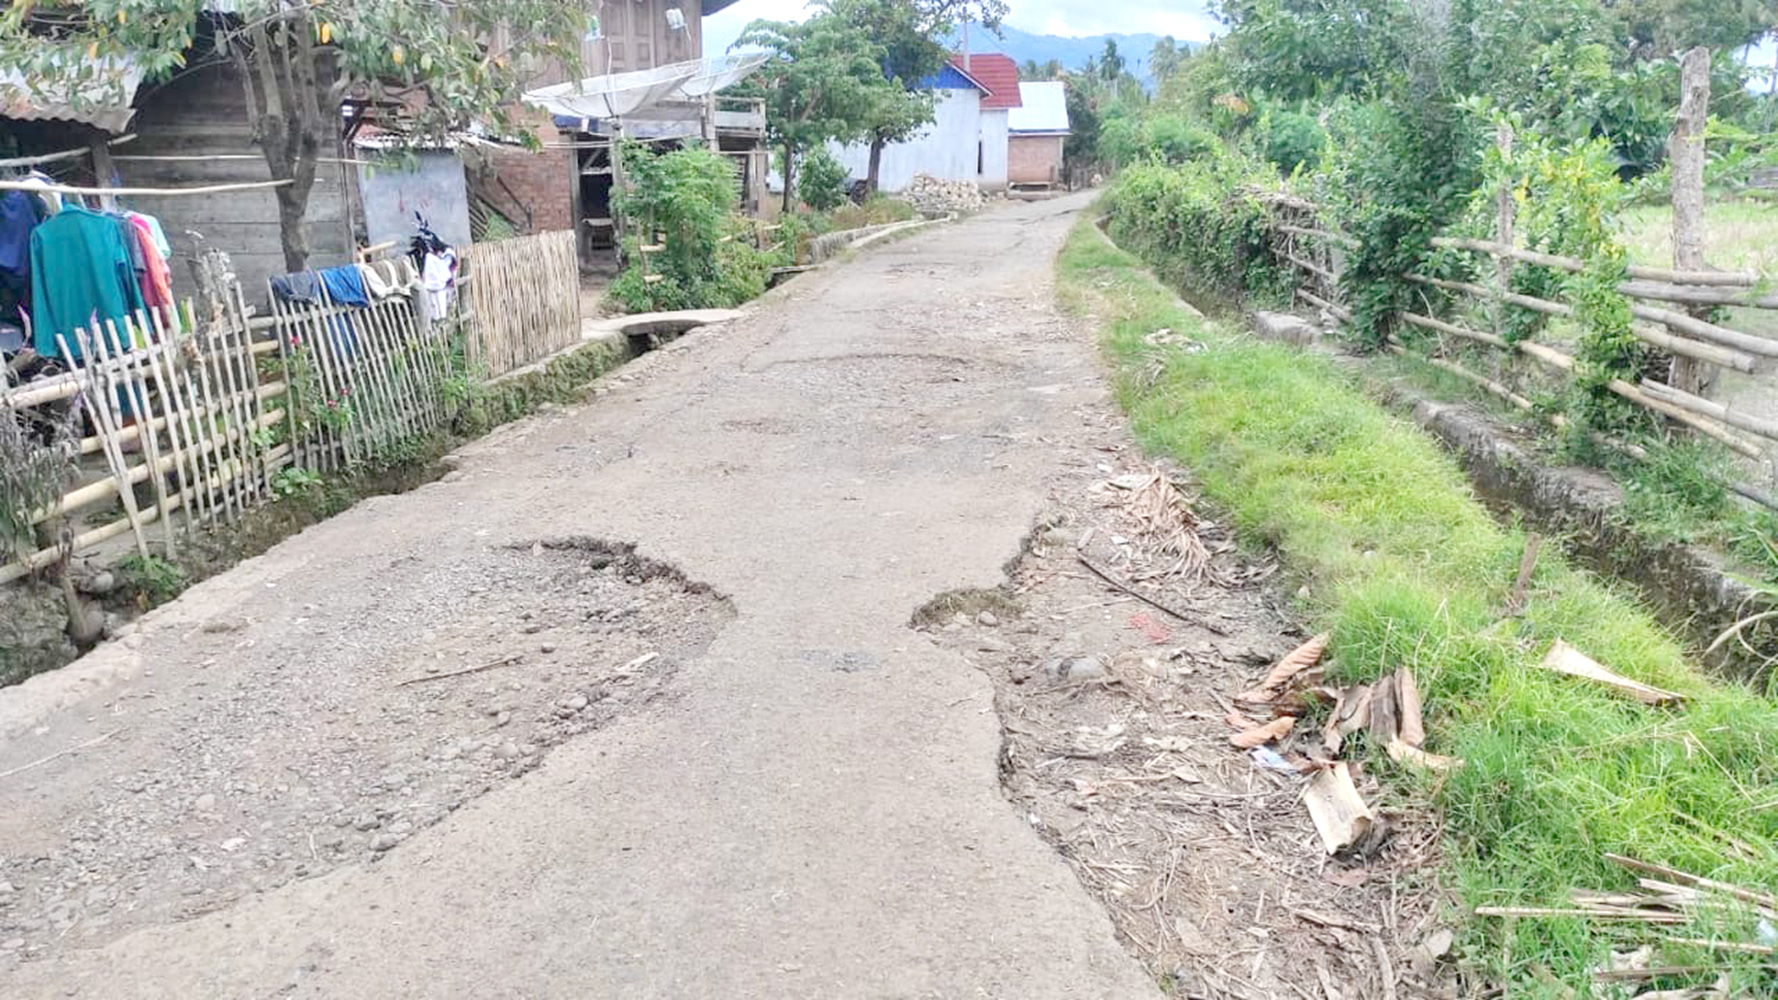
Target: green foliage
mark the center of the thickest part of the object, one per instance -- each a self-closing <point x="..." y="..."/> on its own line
<point x="153" y="580"/>
<point x="684" y="202"/>
<point x="822" y="186"/>
<point x="1202" y="223"/>
<point x="1291" y="140"/>
<point x="295" y="482"/>
<point x="38" y="462"/>
<point x="823" y="82"/>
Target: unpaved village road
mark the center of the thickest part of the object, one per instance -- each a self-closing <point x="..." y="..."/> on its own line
<point x="796" y="798"/>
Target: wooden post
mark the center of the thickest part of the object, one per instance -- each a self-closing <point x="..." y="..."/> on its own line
<point x="102" y="169"/>
<point x="1685" y="154"/>
<point x="1506" y="207"/>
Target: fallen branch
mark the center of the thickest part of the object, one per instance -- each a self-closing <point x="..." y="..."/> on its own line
<point x="503" y="661"/>
<point x="1527" y="565"/>
<point x="95" y="741"/>
<point x="1144" y="598"/>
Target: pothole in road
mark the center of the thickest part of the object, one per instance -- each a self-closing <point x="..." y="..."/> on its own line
<point x="1116" y="751"/>
<point x="329" y="739"/>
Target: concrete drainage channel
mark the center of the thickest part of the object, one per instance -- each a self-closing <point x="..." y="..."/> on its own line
<point x="1695" y="588"/>
<point x="483" y="661"/>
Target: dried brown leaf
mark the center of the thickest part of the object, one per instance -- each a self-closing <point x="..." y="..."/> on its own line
<point x="1259" y="735"/>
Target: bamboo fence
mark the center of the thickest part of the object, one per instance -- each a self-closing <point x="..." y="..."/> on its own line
<point x="185" y="423"/>
<point x="164" y="403"/>
<point x="524" y="295"/>
<point x="1661" y="300"/>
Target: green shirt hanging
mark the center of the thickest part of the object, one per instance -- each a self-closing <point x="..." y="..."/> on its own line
<point x="80" y="268"/>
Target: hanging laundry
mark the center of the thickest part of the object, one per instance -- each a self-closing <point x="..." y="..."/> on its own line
<point x="388" y="278"/>
<point x="302" y="288"/>
<point x="439" y="277"/>
<point x="80" y="271"/>
<point x="345" y="286"/>
<point x="51" y="201"/>
<point x="155" y="279"/>
<point x="19" y="215"/>
<point x="155" y="230"/>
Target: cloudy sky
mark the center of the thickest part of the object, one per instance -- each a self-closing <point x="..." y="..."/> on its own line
<point x="1183" y="19"/>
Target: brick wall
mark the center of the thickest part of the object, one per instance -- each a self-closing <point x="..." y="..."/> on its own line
<point x="531" y="186"/>
<point x="1034" y="159"/>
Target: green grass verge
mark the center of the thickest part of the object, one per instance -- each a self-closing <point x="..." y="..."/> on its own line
<point x="1406" y="568"/>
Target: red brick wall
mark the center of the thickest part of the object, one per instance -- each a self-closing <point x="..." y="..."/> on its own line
<point x="1034" y="159"/>
<point x="534" y="185"/>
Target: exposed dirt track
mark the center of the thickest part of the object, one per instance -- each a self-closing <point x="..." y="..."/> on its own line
<point x="448" y="744"/>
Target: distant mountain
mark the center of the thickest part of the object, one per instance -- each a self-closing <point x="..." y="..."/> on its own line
<point x="1073" y="53"/>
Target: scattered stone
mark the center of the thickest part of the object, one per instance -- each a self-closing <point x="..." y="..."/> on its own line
<point x="367" y="822"/>
<point x="99" y="584"/>
<point x="1074" y="670"/>
<point x="575" y="702"/>
<point x="400" y="828"/>
<point x="993" y="644"/>
<point x="383" y="842"/>
<point x="548" y="647"/>
<point x="934" y="197"/>
<point x="987" y="618"/>
<point x="12" y="944"/>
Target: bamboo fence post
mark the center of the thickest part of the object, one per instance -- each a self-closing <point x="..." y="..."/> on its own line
<point x="211" y="375"/>
<point x="237" y="306"/>
<point x="186" y="383"/>
<point x="100" y="403"/>
<point x="1505" y="207"/>
<point x="129" y="363"/>
<point x="432" y="341"/>
<point x="290" y="401"/>
<point x="333" y="385"/>
<point x="233" y="418"/>
<point x="1685" y="152"/>
<point x="163" y="352"/>
<point x="376" y="355"/>
<point x="411" y="372"/>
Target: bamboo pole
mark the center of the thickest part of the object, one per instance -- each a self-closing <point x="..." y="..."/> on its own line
<point x="1484" y="381"/>
<point x="1339" y="312"/>
<point x="255" y="401"/>
<point x="221" y="365"/>
<point x="163" y="352"/>
<point x="412" y="370"/>
<point x="390" y="424"/>
<point x="142" y="192"/>
<point x="1730" y="279"/>
<point x="1730" y="350"/>
<point x="1716" y="411"/>
<point x="126" y="362"/>
<point x="101" y="402"/>
<point x="215" y="403"/>
<point x="292" y="430"/>
<point x="1320" y="234"/>
<point x="1505" y="214"/>
<point x="195" y="412"/>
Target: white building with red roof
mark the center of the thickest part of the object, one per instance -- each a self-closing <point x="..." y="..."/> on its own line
<point x="967" y="140"/>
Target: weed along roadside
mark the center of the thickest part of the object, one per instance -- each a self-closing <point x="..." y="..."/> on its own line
<point x="1569" y="789"/>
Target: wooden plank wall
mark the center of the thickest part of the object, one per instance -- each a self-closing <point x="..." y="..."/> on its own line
<point x="634" y="36"/>
<point x="203" y="113"/>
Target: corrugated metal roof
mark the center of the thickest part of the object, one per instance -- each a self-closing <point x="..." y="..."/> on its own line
<point x="103" y="102"/>
<point x="998" y="75"/>
<point x="1045" y="108"/>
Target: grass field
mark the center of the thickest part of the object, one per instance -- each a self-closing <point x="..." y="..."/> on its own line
<point x="1406" y="568"/>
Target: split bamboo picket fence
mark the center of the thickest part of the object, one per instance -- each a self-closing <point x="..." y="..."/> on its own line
<point x="185" y="419"/>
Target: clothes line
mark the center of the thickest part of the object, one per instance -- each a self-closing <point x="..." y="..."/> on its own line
<point x="224" y="156"/>
<point x="66" y="154"/>
<point x="139" y="192"/>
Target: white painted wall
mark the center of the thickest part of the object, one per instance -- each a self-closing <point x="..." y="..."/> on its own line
<point x="994" y="149"/>
<point x="946" y="149"/>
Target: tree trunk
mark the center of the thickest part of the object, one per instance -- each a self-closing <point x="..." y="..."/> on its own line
<point x="1685" y="154"/>
<point x="874" y="176"/>
<point x="292" y="236"/>
<point x="286" y="110"/>
<point x="789" y="178"/>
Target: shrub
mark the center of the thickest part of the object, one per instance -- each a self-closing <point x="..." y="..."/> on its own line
<point x="822" y="181"/>
<point x="684" y="202"/>
<point x="1291" y="139"/>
